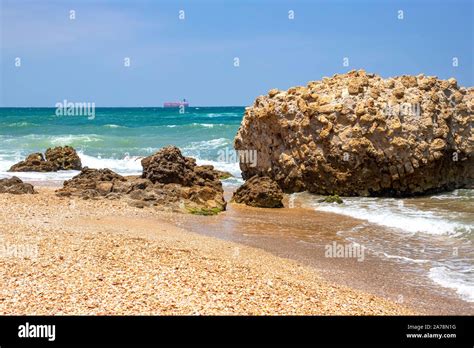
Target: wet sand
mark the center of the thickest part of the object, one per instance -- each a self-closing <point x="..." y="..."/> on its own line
<point x="302" y="234"/>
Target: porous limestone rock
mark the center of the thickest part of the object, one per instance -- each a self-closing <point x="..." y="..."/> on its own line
<point x="357" y="134"/>
<point x="65" y="158"/>
<point x="261" y="192"/>
<point x="15" y="185"/>
<point x="91" y="183"/>
<point x="169" y="181"/>
<point x="58" y="158"/>
<point x="35" y="162"/>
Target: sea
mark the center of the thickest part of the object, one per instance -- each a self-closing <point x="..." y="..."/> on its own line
<point x="432" y="234"/>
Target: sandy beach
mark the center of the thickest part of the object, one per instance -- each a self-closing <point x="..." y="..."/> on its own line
<point x="104" y="257"/>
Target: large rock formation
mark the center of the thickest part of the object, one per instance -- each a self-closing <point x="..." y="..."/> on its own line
<point x="360" y="134"/>
<point x="169" y="180"/>
<point x="261" y="192"/>
<point x="15" y="186"/>
<point x="58" y="158"/>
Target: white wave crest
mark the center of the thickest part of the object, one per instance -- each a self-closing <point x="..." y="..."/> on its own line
<point x="71" y="139"/>
<point x="113" y="126"/>
<point x="232" y="168"/>
<point x="208" y="125"/>
<point x="207" y="144"/>
<point x="128" y="165"/>
<point x="391" y="214"/>
<point x="404" y="258"/>
<point x="453" y="280"/>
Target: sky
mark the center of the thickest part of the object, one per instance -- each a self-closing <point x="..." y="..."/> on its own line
<point x="83" y="59"/>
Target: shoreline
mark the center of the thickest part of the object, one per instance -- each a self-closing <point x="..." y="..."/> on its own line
<point x="104" y="257"/>
<point x="374" y="276"/>
<point x="283" y="232"/>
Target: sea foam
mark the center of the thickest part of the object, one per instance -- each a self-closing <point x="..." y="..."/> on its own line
<point x="453" y="280"/>
<point x="393" y="213"/>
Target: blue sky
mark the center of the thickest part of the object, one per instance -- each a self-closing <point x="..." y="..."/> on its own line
<point x="82" y="60"/>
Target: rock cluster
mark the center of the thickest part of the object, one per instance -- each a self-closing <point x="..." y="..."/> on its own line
<point x="58" y="158"/>
<point x="358" y="134"/>
<point x="14" y="185"/>
<point x="90" y="183"/>
<point x="169" y="180"/>
<point x="261" y="192"/>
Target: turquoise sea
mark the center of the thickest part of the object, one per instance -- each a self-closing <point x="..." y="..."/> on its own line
<point x="117" y="138"/>
<point x="432" y="234"/>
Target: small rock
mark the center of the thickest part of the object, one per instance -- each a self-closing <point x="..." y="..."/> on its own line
<point x="261" y="192"/>
<point x="35" y="162"/>
<point x="58" y="158"/>
<point x="64" y="158"/>
<point x="332" y="199"/>
<point x="15" y="185"/>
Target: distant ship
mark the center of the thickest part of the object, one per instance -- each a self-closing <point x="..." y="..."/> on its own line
<point x="177" y="104"/>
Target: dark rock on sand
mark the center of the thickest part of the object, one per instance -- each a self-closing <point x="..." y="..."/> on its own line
<point x="262" y="192"/>
<point x="169" y="180"/>
<point x="169" y="166"/>
<point x="91" y="183"/>
<point x="14" y="185"/>
<point x="58" y="158"/>
<point x="359" y="134"/>
<point x="179" y="178"/>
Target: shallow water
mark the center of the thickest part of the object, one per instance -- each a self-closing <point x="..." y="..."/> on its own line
<point x="432" y="234"/>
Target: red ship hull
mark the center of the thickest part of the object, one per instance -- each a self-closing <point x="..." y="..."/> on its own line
<point x="175" y="104"/>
